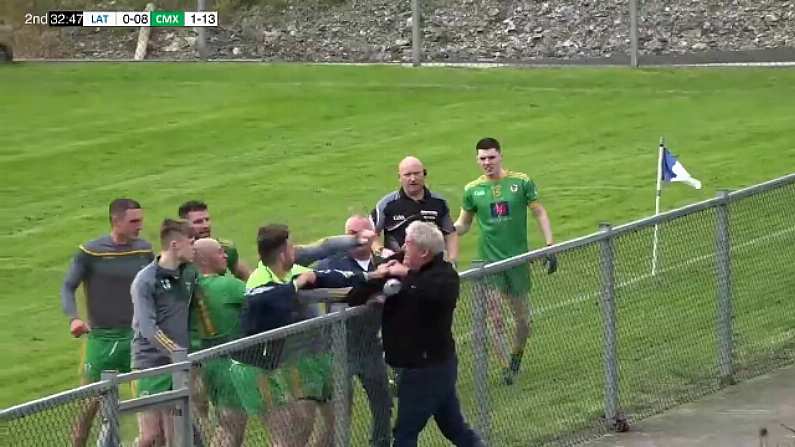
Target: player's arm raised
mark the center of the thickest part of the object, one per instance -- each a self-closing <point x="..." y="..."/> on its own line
<point x="330" y="246"/>
<point x="241" y="270"/>
<point x="76" y="274"/>
<point x="377" y="219"/>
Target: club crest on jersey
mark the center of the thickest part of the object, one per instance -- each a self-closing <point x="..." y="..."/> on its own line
<point x="514" y="187"/>
<point x="166" y="284"/>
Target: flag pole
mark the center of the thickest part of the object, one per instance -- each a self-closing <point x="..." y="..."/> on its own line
<point x="657" y="204"/>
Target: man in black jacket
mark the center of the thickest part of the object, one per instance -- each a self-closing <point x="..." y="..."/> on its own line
<point x="418" y="339"/>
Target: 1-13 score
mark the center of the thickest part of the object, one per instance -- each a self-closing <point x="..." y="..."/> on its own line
<point x="201" y="18"/>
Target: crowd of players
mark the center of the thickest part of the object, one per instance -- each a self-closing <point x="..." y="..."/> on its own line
<point x="198" y="293"/>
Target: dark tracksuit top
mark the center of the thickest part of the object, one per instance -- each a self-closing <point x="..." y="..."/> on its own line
<point x="106" y="270"/>
<point x="395" y="211"/>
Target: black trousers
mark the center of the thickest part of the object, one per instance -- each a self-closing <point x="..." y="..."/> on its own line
<point x="426" y="392"/>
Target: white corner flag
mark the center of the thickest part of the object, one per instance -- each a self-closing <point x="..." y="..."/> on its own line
<point x="673" y="171"/>
<point x="669" y="169"/>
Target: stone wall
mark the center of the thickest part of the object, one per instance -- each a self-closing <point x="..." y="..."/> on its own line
<point x="462" y="30"/>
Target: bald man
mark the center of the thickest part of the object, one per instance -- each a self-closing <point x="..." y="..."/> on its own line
<point x="413" y="201"/>
<point x="364" y="346"/>
<point x="219" y="322"/>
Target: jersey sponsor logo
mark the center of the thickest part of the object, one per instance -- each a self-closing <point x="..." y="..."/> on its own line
<point x="500" y="209"/>
<point x="514" y="188"/>
<point x="479" y="192"/>
<point x="398" y="217"/>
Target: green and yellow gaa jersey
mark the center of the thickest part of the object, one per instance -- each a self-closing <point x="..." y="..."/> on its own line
<point x="501" y="210"/>
<point x="223" y="299"/>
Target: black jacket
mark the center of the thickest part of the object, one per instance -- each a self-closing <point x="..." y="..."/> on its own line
<point x="417" y="322"/>
<point x="273" y="305"/>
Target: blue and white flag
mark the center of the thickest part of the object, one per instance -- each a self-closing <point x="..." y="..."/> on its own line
<point x="673" y="171"/>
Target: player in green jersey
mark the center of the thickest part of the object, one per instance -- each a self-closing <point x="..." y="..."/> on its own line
<point x="219" y="322"/>
<point x="105" y="267"/>
<point x="198" y="215"/>
<point x="500" y="200"/>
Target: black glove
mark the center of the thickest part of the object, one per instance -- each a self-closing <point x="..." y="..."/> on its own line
<point x="551" y="261"/>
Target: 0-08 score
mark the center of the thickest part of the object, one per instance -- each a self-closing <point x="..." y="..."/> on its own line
<point x="132" y="18"/>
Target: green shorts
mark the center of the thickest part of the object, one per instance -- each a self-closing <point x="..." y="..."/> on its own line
<point x="258" y="391"/>
<point x="310" y="378"/>
<point x="514" y="282"/>
<point x="219" y="381"/>
<point x="146" y="386"/>
<point x="106" y="350"/>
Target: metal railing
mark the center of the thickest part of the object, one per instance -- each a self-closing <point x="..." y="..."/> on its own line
<point x="611" y="342"/>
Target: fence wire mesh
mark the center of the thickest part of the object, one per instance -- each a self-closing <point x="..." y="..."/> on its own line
<point x="77" y="420"/>
<point x="556" y="392"/>
<point x="666" y="318"/>
<point x="615" y="332"/>
<point x="278" y="391"/>
<point x="763" y="280"/>
<point x="371" y="383"/>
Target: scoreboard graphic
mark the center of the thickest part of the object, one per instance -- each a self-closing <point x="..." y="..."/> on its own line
<point x="131" y="18"/>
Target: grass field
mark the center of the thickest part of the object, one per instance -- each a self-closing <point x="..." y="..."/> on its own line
<point x="308" y="145"/>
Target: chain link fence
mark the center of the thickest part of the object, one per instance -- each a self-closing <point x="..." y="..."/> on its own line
<point x="610" y="342"/>
<point x="62" y="419"/>
<point x="763" y="281"/>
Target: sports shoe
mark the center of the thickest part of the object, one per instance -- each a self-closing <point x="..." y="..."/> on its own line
<point x="509" y="374"/>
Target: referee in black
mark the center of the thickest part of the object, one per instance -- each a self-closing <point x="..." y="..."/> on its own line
<point x="418" y="338"/>
<point x="413" y="201"/>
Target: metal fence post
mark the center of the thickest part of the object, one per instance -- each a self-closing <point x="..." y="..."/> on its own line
<point x="183" y="424"/>
<point x="633" y="33"/>
<point x="416" y="33"/>
<point x="201" y="32"/>
<point x="339" y="348"/>
<point x="610" y="355"/>
<point x="480" y="348"/>
<point x="110" y="431"/>
<point x="724" y="288"/>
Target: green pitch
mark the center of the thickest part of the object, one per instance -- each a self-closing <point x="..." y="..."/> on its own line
<point x="308" y="145"/>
